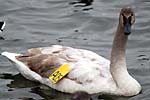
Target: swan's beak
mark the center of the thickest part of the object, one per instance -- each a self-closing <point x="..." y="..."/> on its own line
<point x="127" y="28"/>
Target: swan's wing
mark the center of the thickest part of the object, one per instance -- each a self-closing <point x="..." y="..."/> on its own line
<point x="86" y="67"/>
<point x="45" y="61"/>
<point x="43" y="64"/>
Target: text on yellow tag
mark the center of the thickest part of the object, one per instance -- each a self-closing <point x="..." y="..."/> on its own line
<point x="59" y="73"/>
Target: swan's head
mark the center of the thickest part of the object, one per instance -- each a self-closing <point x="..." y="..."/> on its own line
<point x="127" y="19"/>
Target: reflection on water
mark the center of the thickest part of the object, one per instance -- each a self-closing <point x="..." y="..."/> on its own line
<point x="85" y="2"/>
<point x="18" y="81"/>
<point x="76" y="23"/>
<point x="46" y="93"/>
<point x="50" y="94"/>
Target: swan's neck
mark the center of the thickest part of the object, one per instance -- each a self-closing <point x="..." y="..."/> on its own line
<point x="118" y="68"/>
<point x="118" y="59"/>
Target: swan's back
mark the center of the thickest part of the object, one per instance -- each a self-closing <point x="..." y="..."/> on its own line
<point x="82" y="63"/>
<point x="87" y="69"/>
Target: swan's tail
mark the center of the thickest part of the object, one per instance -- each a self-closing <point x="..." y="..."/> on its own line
<point x="22" y="68"/>
<point x="10" y="56"/>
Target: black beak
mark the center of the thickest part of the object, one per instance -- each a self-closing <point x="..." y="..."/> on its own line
<point x="127" y="29"/>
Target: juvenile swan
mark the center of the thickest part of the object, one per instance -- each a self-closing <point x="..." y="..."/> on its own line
<point x="88" y="71"/>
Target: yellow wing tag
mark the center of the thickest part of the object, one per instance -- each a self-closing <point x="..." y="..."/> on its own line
<point x="59" y="73"/>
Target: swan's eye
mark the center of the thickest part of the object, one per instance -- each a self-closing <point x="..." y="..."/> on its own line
<point x="130" y="19"/>
<point x="126" y="19"/>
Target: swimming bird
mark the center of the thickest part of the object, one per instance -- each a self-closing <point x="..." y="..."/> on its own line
<point x="2" y="25"/>
<point x="88" y="71"/>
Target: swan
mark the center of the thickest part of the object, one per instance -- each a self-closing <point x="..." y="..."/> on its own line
<point x="87" y="71"/>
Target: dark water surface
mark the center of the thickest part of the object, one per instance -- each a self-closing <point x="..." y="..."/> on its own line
<point x="35" y="23"/>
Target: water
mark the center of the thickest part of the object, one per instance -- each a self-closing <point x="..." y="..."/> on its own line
<point x="35" y="23"/>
